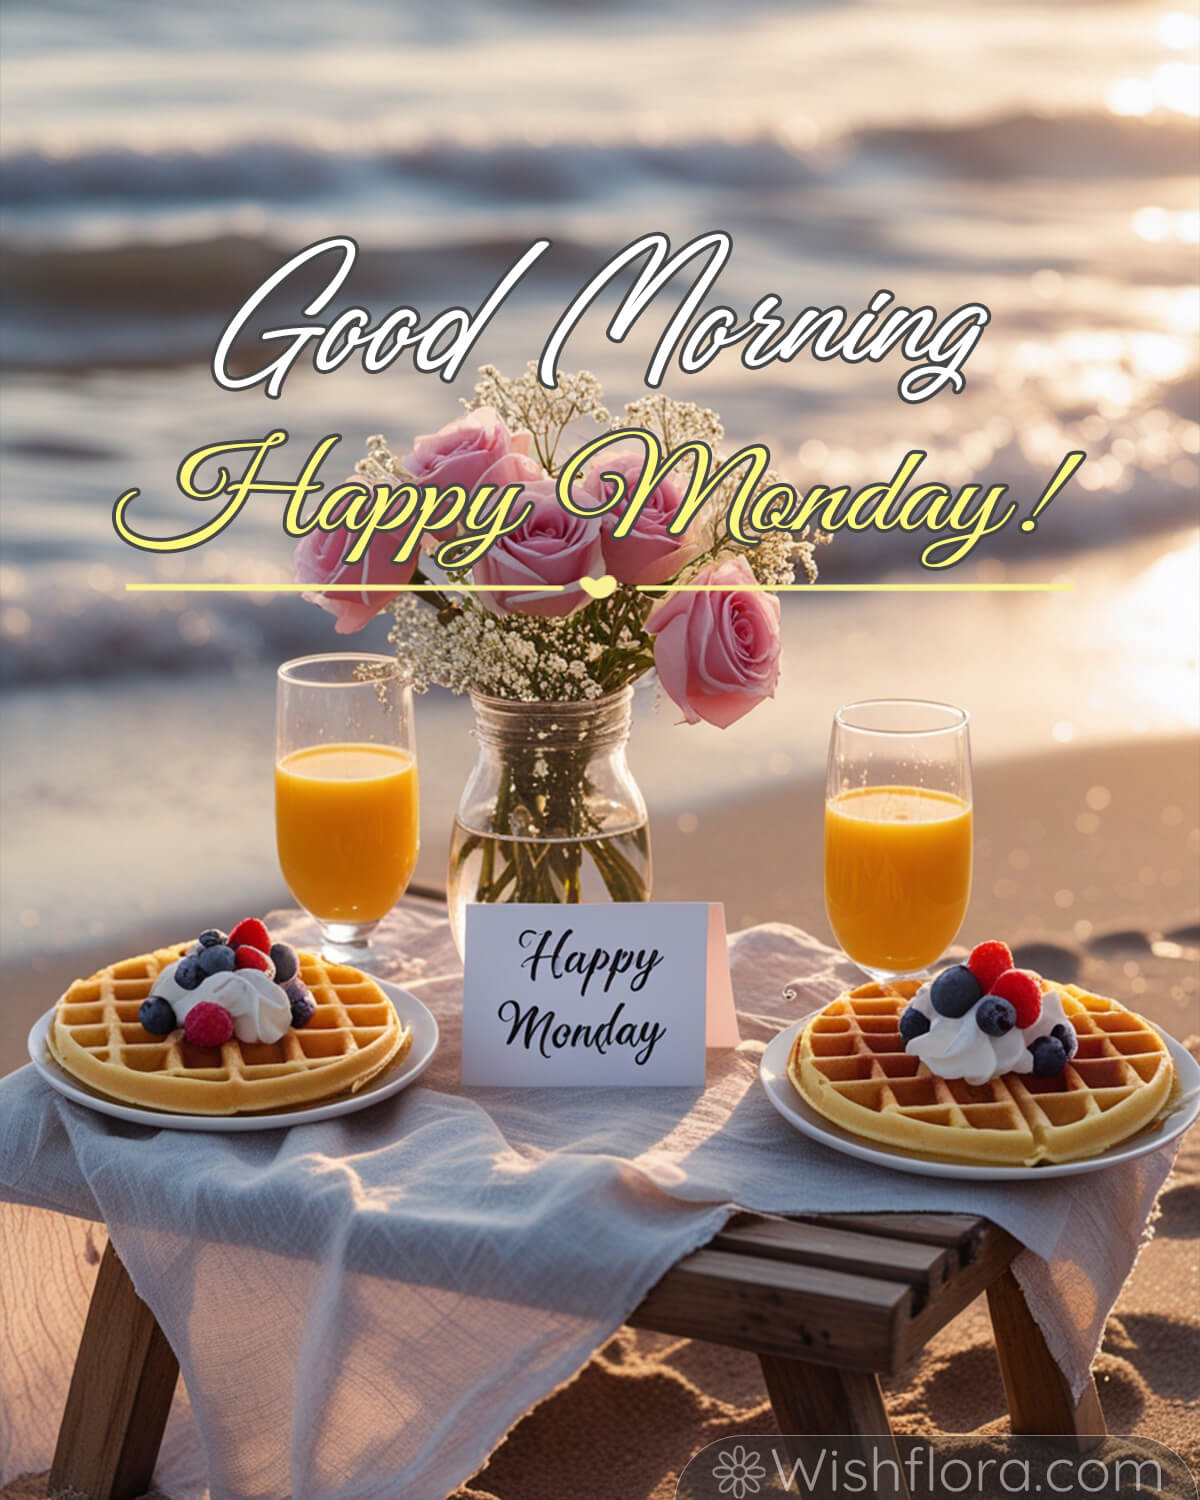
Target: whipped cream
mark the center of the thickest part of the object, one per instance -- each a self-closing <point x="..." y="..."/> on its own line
<point x="954" y="1046"/>
<point x="261" y="1011"/>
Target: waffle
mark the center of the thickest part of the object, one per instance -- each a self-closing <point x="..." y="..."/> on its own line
<point x="96" y="1036"/>
<point x="850" y="1064"/>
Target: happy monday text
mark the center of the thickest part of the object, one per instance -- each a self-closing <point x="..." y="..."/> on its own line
<point x="936" y="346"/>
<point x="538" y="1028"/>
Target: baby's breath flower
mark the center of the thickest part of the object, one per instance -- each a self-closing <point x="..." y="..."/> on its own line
<point x="463" y="646"/>
<point x="525" y="404"/>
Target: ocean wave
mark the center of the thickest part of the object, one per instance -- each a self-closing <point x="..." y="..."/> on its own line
<point x="68" y="631"/>
<point x="147" y="304"/>
<point x="1015" y="146"/>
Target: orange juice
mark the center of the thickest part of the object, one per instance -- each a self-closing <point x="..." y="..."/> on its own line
<point x="346" y="828"/>
<point x="897" y="874"/>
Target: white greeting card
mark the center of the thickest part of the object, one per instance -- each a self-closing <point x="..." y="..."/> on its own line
<point x="629" y="993"/>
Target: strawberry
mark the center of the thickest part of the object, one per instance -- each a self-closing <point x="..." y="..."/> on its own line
<point x="1023" y="992"/>
<point x="249" y="932"/>
<point x="988" y="961"/>
<point x="247" y="957"/>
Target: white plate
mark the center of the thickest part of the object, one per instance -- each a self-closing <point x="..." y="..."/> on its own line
<point x="798" y="1112"/>
<point x="410" y="1010"/>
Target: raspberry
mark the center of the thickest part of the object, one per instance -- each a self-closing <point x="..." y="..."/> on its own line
<point x="250" y="932"/>
<point x="247" y="957"/>
<point x="988" y="961"/>
<point x="1021" y="989"/>
<point x="208" y="1025"/>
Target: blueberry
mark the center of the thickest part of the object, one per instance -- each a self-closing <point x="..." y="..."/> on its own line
<point x="301" y="999"/>
<point x="1066" y="1035"/>
<point x="954" y="991"/>
<point x="995" y="1016"/>
<point x="1049" y="1056"/>
<point x="913" y="1023"/>
<point x="216" y="959"/>
<point x="187" y="971"/>
<point x="157" y="1016"/>
<point x="212" y="938"/>
<point x="287" y="965"/>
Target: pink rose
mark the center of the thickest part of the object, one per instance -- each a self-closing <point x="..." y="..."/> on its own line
<point x="717" y="654"/>
<point x="647" y="554"/>
<point x="463" y="451"/>
<point x="318" y="560"/>
<point x="550" y="546"/>
<point x="512" y="468"/>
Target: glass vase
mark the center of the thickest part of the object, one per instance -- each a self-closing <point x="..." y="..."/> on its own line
<point x="551" y="811"/>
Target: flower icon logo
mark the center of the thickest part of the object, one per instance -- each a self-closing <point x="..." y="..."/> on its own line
<point x="739" y="1472"/>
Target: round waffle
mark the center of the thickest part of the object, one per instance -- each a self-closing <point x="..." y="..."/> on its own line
<point x="354" y="1032"/>
<point x="850" y="1064"/>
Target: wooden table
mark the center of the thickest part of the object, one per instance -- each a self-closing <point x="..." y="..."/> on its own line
<point x="828" y="1302"/>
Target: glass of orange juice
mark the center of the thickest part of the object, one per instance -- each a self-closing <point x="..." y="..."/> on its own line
<point x="346" y="821"/>
<point x="897" y="832"/>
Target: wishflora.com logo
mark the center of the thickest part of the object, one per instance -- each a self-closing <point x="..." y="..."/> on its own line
<point x="942" y="1468"/>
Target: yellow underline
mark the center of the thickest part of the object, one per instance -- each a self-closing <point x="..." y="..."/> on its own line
<point x="356" y="588"/>
<point x="558" y="588"/>
<point x="865" y="588"/>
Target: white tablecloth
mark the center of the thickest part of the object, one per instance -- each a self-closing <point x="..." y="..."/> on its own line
<point x="362" y="1308"/>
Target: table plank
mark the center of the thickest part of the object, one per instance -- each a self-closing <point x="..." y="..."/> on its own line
<point x="922" y="1266"/>
<point x="960" y="1232"/>
<point x="995" y="1251"/>
<point x="776" y="1307"/>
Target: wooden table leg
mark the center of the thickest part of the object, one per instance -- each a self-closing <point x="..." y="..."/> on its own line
<point x="120" y="1394"/>
<point x="1039" y="1399"/>
<point x="832" y="1414"/>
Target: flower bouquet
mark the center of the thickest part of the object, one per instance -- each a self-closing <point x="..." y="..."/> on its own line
<point x="551" y="813"/>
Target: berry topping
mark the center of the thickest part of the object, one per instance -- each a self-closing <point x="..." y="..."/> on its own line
<point x="187" y="971"/>
<point x="253" y="958"/>
<point x="212" y="937"/>
<point x="913" y="1023"/>
<point x="954" y="991"/>
<point x="1065" y="1033"/>
<point x="1021" y="988"/>
<point x="157" y="1016"/>
<point x="301" y="999"/>
<point x="217" y="959"/>
<point x="208" y="1025"/>
<point x="287" y="964"/>
<point x="1049" y="1056"/>
<point x="995" y="1016"/>
<point x="988" y="961"/>
<point x="251" y="933"/>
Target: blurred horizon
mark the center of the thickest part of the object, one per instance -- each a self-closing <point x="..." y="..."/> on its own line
<point x="153" y="172"/>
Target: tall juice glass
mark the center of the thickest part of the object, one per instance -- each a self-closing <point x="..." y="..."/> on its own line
<point x="897" y="832"/>
<point x="346" y="821"/>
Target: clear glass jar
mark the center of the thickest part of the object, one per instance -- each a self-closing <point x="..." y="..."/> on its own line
<point x="551" y="811"/>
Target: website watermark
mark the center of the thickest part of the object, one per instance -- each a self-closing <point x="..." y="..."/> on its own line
<point x="978" y="1467"/>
